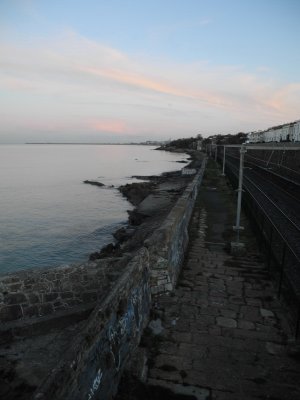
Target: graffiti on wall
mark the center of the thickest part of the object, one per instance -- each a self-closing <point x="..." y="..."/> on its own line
<point x="95" y="385"/>
<point x="128" y="326"/>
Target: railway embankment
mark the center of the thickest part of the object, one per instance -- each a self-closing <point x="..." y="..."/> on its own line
<point x="67" y="332"/>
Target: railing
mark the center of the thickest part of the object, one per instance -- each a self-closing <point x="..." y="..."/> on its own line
<point x="282" y="262"/>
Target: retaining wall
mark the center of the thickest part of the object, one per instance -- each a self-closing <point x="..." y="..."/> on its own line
<point x="92" y="366"/>
<point x="167" y="244"/>
<point x="38" y="293"/>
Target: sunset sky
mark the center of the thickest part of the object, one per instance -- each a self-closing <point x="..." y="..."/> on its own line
<point x="121" y="70"/>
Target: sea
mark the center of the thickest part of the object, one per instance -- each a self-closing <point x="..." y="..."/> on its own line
<point x="49" y="217"/>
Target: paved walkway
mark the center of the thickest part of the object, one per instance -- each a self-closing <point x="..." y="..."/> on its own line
<point x="223" y="333"/>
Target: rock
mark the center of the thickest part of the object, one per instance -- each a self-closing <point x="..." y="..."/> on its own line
<point x="136" y="218"/>
<point x="10" y="313"/>
<point x="95" y="183"/>
<point x="107" y="251"/>
<point x="274" y="348"/>
<point x="119" y="234"/>
<point x="136" y="192"/>
<point x="123" y="234"/>
<point x="226" y="322"/>
<point x="266" y="313"/>
<point x="15" y="298"/>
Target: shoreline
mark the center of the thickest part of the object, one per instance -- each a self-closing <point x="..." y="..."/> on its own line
<point x="152" y="200"/>
<point x="97" y="226"/>
<point x="69" y="307"/>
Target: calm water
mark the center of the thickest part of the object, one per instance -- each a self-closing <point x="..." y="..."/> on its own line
<point x="48" y="216"/>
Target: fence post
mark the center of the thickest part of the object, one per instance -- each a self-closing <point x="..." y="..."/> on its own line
<point x="261" y="227"/>
<point x="281" y="271"/>
<point x="224" y="157"/>
<point x="297" y="323"/>
<point x="270" y="249"/>
<point x="237" y="226"/>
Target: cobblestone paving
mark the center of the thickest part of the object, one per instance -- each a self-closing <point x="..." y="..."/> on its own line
<point x="223" y="332"/>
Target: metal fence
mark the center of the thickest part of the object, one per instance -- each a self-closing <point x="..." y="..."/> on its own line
<point x="282" y="263"/>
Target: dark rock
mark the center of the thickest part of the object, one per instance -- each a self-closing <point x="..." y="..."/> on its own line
<point x="46" y="309"/>
<point x="50" y="276"/>
<point x="120" y="234"/>
<point x="10" y="280"/>
<point x="136" y="218"/>
<point x="123" y="234"/>
<point x="66" y="295"/>
<point x="15" y="287"/>
<point x="95" y="183"/>
<point x="29" y="281"/>
<point x="33" y="298"/>
<point x="31" y="311"/>
<point x="88" y="297"/>
<point x="94" y="256"/>
<point x="77" y="288"/>
<point x="74" y="302"/>
<point x="136" y="192"/>
<point x="107" y="251"/>
<point x="15" y="298"/>
<point x="6" y="337"/>
<point x="50" y="296"/>
<point x="153" y="178"/>
<point x="10" y="313"/>
<point x="58" y="304"/>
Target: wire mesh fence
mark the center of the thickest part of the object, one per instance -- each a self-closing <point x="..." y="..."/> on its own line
<point x="282" y="262"/>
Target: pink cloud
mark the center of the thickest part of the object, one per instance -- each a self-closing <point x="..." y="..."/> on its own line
<point x="158" y="86"/>
<point x="76" y="83"/>
<point x="285" y="98"/>
<point x="109" y="126"/>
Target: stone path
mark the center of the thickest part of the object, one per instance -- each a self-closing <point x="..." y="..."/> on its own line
<point x="223" y="335"/>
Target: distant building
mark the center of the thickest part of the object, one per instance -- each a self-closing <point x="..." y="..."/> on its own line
<point x="199" y="144"/>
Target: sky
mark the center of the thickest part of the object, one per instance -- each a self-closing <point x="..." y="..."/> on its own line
<point x="135" y="70"/>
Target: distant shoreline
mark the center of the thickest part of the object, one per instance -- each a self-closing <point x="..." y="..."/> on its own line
<point x="96" y="144"/>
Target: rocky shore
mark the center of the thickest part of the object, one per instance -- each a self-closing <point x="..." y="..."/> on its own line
<point x="153" y="198"/>
<point x="51" y="316"/>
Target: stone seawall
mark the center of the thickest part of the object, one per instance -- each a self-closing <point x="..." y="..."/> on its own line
<point x="168" y="243"/>
<point x="30" y="294"/>
<point x="114" y="298"/>
<point x="92" y="366"/>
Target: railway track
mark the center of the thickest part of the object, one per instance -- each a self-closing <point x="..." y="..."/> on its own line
<point x="275" y="168"/>
<point x="274" y="209"/>
<point x="284" y="184"/>
<point x="281" y="208"/>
